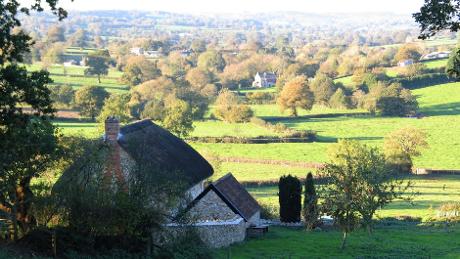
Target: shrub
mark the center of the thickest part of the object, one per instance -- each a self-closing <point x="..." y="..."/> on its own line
<point x="268" y="211"/>
<point x="339" y="100"/>
<point x="289" y="198"/>
<point x="229" y="109"/>
<point x="260" y="98"/>
<point x="310" y="204"/>
<point x="449" y="210"/>
<point x="391" y="100"/>
<point x="402" y="145"/>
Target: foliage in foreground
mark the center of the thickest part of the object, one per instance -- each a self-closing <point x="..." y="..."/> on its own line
<point x="359" y="183"/>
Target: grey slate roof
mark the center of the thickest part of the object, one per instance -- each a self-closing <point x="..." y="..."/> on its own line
<point x="234" y="195"/>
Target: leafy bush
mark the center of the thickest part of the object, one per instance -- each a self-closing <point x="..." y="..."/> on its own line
<point x="260" y="98"/>
<point x="391" y="100"/>
<point x="339" y="100"/>
<point x="449" y="210"/>
<point x="268" y="211"/>
<point x="229" y="109"/>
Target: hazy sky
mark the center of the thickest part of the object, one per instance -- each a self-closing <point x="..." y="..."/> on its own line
<point x="237" y="6"/>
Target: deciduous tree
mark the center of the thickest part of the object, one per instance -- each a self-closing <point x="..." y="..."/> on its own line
<point x="323" y="88"/>
<point x="359" y="183"/>
<point x="178" y="118"/>
<point x="435" y="16"/>
<point x="116" y="105"/>
<point x="296" y="94"/>
<point x="211" y="60"/>
<point x="453" y="65"/>
<point x="402" y="145"/>
<point x="229" y="109"/>
<point x="98" y="64"/>
<point x="90" y="99"/>
<point x="28" y="138"/>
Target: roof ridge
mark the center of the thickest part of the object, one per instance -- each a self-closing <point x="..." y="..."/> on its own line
<point x="222" y="178"/>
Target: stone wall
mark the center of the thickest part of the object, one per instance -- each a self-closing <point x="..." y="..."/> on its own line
<point x="218" y="233"/>
<point x="212" y="208"/>
<point x="196" y="190"/>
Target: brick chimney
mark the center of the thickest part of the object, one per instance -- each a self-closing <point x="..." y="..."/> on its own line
<point x="112" y="129"/>
<point x="114" y="167"/>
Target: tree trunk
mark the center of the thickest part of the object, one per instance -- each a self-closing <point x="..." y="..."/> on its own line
<point x="344" y="240"/>
<point x="14" y="218"/>
<point x="369" y="229"/>
<point x="24" y="198"/>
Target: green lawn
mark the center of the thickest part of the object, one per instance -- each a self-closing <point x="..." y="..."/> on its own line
<point x="394" y="241"/>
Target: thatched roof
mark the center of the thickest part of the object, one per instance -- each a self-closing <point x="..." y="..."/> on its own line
<point x="152" y="147"/>
<point x="150" y="144"/>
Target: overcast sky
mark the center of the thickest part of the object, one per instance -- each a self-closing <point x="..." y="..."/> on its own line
<point x="238" y="6"/>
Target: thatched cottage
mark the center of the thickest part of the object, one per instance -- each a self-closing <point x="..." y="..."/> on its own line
<point x="222" y="210"/>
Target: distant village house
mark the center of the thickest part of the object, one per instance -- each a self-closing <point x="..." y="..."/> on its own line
<point x="405" y="63"/>
<point x="436" y="55"/>
<point x="265" y="79"/>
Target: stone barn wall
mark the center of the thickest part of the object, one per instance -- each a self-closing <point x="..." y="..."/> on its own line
<point x="216" y="234"/>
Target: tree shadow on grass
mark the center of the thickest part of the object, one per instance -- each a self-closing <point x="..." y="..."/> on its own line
<point x="442" y="109"/>
<point x="276" y="119"/>
<point x="329" y="139"/>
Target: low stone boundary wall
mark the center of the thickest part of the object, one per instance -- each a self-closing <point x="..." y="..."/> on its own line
<point x="217" y="234"/>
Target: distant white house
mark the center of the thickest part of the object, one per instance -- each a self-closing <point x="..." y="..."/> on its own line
<point x="146" y="53"/>
<point x="152" y="54"/>
<point x="137" y="51"/>
<point x="405" y="63"/>
<point x="265" y="79"/>
<point x="70" y="63"/>
<point x="435" y="55"/>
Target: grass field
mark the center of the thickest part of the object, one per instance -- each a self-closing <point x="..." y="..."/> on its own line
<point x="394" y="241"/>
<point x="74" y="76"/>
<point x="273" y="110"/>
<point x="436" y="63"/>
<point x="439" y="103"/>
<point x="215" y="128"/>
